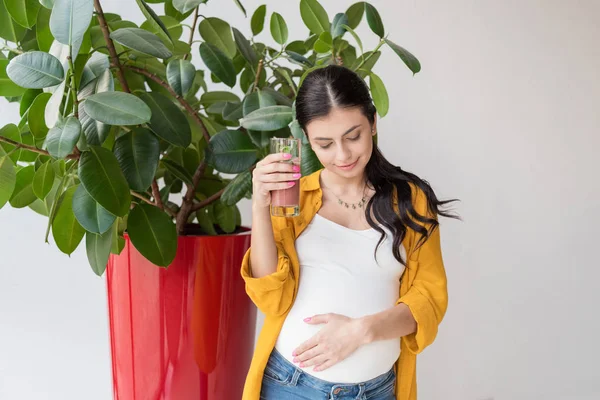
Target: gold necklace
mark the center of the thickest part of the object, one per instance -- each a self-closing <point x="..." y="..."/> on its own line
<point x="354" y="206"/>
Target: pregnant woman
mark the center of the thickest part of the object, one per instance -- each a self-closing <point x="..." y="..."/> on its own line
<point x="355" y="287"/>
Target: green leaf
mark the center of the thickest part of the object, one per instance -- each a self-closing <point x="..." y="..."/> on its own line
<point x="374" y="20"/>
<point x="314" y="16"/>
<point x="43" y="33"/>
<point x="70" y="19"/>
<point x="95" y="132"/>
<point x="27" y="99"/>
<point x="138" y="152"/>
<point x="43" y="180"/>
<point x="168" y="121"/>
<point x="237" y="188"/>
<point x="355" y="36"/>
<point x="310" y="162"/>
<point x="98" y="250"/>
<point x="61" y="139"/>
<point x="380" y="95"/>
<point x="268" y="118"/>
<point x="153" y="234"/>
<point x="8" y="178"/>
<point x="142" y="41"/>
<point x="218" y="63"/>
<point x="297" y="46"/>
<point x="368" y="65"/>
<point x="8" y="29"/>
<point x="232" y="111"/>
<point x="117" y="108"/>
<point x="91" y="215"/>
<point x="158" y="26"/>
<point x="245" y="48"/>
<point x="411" y="61"/>
<point x="171" y="11"/>
<point x="241" y="7"/>
<point x="11" y="131"/>
<point x="324" y="44"/>
<point x="35" y="70"/>
<point x="299" y="59"/>
<point x="178" y="171"/>
<point x="36" y="118"/>
<point x="183" y="6"/>
<point x="231" y="152"/>
<point x="23" y="12"/>
<point x="355" y="13"/>
<point x="52" y="111"/>
<point x="337" y="26"/>
<point x="172" y="24"/>
<point x="218" y="33"/>
<point x="48" y="4"/>
<point x="66" y="230"/>
<point x="257" y="22"/>
<point x="279" y="29"/>
<point x="23" y="195"/>
<point x="180" y="75"/>
<point x="256" y="100"/>
<point x="101" y="176"/>
<point x="7" y="87"/>
<point x="209" y="98"/>
<point x="225" y="216"/>
<point x="206" y="217"/>
<point x="117" y="240"/>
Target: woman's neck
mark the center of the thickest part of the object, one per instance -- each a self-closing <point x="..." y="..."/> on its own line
<point x="341" y="186"/>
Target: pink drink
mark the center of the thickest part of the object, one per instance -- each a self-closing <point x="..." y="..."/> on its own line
<point x="286" y="202"/>
<point x="287" y="197"/>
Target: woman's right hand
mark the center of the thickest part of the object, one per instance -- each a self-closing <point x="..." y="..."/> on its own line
<point x="272" y="174"/>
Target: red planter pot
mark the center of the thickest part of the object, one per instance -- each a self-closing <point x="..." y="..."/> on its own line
<point x="185" y="332"/>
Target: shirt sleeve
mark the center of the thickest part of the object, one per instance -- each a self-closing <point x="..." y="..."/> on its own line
<point x="273" y="293"/>
<point x="427" y="298"/>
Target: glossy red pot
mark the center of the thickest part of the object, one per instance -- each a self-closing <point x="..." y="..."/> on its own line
<point x="185" y="332"/>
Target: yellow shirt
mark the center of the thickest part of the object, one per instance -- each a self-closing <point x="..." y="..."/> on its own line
<point x="422" y="288"/>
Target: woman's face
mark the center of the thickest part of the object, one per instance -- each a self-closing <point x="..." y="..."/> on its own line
<point x="342" y="141"/>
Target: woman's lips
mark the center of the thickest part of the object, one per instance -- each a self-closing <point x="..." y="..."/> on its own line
<point x="348" y="167"/>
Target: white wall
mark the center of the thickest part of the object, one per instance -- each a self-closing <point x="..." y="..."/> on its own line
<point x="503" y="116"/>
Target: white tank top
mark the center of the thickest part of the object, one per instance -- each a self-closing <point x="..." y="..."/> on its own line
<point x="339" y="274"/>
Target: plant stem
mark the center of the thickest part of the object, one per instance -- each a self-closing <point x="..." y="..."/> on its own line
<point x="156" y="195"/>
<point x="381" y="42"/>
<point x="190" y="40"/>
<point x="144" y="199"/>
<point x="16" y="51"/>
<point x="187" y="206"/>
<point x="114" y="58"/>
<point x="32" y="148"/>
<point x="73" y="84"/>
<point x="181" y="100"/>
<point x="209" y="200"/>
<point x="258" y="71"/>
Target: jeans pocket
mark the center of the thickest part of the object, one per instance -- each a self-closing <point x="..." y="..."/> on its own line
<point x="385" y="390"/>
<point x="275" y="373"/>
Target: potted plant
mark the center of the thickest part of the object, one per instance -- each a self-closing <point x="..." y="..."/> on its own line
<point x="120" y="142"/>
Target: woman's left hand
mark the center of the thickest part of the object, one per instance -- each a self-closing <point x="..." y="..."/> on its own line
<point x="337" y="340"/>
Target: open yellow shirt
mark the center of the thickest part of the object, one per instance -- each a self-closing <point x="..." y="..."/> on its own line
<point x="422" y="288"/>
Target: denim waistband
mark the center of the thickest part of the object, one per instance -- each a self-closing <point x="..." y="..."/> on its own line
<point x="299" y="376"/>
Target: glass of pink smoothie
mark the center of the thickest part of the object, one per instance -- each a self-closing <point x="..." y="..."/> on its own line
<point x="286" y="202"/>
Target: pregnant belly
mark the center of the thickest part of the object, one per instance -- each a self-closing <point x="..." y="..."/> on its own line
<point x="347" y="298"/>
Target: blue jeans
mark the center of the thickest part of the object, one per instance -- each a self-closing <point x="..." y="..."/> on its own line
<point x="282" y="380"/>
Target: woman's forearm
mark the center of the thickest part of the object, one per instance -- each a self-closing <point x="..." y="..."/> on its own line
<point x="392" y="323"/>
<point x="263" y="256"/>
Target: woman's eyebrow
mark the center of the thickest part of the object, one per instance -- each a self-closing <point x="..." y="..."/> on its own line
<point x="345" y="133"/>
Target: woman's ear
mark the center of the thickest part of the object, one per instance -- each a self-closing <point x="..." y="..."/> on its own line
<point x="374" y="127"/>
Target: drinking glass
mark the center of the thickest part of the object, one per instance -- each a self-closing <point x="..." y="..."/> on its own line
<point x="286" y="202"/>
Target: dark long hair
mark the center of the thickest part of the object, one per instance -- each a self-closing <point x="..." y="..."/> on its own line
<point x="338" y="86"/>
